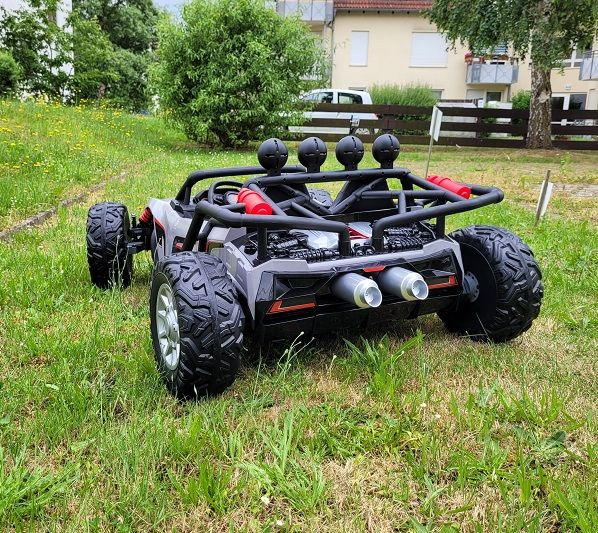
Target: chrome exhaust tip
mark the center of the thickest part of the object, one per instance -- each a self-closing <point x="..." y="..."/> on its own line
<point x="404" y="283"/>
<point x="358" y="290"/>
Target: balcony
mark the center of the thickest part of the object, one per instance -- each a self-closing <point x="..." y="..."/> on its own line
<point x="589" y="66"/>
<point x="499" y="72"/>
<point x="313" y="11"/>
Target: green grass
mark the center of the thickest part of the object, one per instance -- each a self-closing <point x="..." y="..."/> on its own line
<point x="402" y="427"/>
<point x="49" y="152"/>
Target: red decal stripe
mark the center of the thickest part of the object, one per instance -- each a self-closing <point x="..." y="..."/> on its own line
<point x="378" y="268"/>
<point x="452" y="281"/>
<point x="278" y="308"/>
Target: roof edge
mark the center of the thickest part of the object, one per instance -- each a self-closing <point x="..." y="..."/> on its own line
<point x="379" y="10"/>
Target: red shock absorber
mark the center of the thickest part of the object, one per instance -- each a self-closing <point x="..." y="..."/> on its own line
<point x="146" y="217"/>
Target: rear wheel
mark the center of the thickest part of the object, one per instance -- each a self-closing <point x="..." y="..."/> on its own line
<point x="196" y="324"/>
<point x="108" y="227"/>
<point x="502" y="286"/>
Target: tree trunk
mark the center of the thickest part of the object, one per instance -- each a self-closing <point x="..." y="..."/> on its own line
<point x="540" y="113"/>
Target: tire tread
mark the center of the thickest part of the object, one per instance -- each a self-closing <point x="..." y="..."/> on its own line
<point x="518" y="285"/>
<point x="211" y="324"/>
<point x="106" y="238"/>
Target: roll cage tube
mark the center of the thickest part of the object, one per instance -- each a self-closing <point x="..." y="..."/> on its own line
<point x="441" y="203"/>
<point x="184" y="194"/>
<point x="237" y="220"/>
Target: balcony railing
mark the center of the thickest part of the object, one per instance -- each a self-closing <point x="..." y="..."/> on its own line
<point x="589" y="66"/>
<point x="308" y="10"/>
<point x="504" y="73"/>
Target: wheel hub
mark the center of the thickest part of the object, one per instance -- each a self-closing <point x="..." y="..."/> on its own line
<point x="471" y="287"/>
<point x="167" y="326"/>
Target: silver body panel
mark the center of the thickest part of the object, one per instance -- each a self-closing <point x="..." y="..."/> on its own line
<point x="246" y="277"/>
<point x="173" y="224"/>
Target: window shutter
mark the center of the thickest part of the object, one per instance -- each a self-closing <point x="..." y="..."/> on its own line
<point x="428" y="50"/>
<point x="359" y="48"/>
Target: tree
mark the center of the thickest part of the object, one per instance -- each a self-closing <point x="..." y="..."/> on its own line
<point x="546" y="30"/>
<point x="39" y="47"/>
<point x="109" y="43"/>
<point x="93" y="60"/>
<point x="129" y="24"/>
<point x="233" y="69"/>
<point x="113" y="46"/>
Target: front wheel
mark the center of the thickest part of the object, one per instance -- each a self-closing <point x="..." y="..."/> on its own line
<point x="502" y="286"/>
<point x="196" y="324"/>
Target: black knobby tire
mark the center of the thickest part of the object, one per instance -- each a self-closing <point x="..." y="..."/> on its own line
<point x="210" y="321"/>
<point x="108" y="228"/>
<point x="506" y="292"/>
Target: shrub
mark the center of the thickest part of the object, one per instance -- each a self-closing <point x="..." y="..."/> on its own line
<point x="521" y="99"/>
<point x="415" y="95"/>
<point x="407" y="95"/>
<point x="233" y="70"/>
<point x="9" y="74"/>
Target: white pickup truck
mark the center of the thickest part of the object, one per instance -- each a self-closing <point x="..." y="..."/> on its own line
<point x="336" y="96"/>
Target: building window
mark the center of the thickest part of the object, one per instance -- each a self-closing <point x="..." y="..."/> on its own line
<point x="569" y="101"/>
<point x="577" y="101"/>
<point x="484" y="96"/>
<point x="437" y="93"/>
<point x="428" y="50"/>
<point x="359" y="48"/>
<point x="576" y="57"/>
<point x="493" y="96"/>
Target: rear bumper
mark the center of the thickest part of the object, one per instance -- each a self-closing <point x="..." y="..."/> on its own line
<point x="319" y="321"/>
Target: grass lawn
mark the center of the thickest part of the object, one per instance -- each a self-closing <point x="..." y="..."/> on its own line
<point x="411" y="429"/>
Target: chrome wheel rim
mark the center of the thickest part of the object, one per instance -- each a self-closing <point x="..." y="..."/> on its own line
<point x="167" y="326"/>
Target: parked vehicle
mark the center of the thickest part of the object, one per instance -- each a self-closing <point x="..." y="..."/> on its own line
<point x="336" y="96"/>
<point x="258" y="253"/>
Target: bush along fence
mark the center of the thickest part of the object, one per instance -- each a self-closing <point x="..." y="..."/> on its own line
<point x="464" y="126"/>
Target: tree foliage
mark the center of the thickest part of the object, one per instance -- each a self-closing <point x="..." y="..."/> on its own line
<point x="103" y="52"/>
<point x="128" y="24"/>
<point x="40" y="48"/>
<point x="9" y="74"/>
<point x="103" y="70"/>
<point x="113" y="43"/>
<point x="93" y="59"/>
<point x="544" y="30"/>
<point x="233" y="69"/>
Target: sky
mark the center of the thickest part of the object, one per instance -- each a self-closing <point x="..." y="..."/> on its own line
<point x="170" y="5"/>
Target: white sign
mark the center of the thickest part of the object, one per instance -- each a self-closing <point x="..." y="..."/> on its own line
<point x="545" y="194"/>
<point x="435" y="123"/>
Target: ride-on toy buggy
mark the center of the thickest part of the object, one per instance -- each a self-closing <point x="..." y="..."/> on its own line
<point x="260" y="251"/>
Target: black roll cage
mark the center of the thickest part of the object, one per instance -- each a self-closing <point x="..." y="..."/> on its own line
<point x="430" y="201"/>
